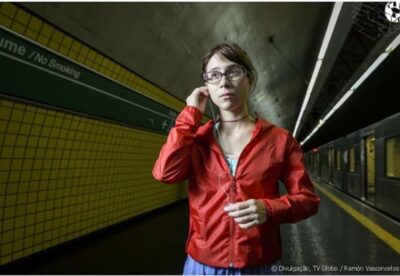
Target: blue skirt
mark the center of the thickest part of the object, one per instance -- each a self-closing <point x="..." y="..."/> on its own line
<point x="193" y="267"/>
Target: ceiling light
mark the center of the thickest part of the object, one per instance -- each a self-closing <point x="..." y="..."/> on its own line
<point x="328" y="35"/>
<point x="357" y="84"/>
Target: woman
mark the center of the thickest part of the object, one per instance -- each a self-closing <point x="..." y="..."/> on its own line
<point x="233" y="167"/>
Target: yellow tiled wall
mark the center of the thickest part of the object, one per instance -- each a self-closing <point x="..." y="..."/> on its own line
<point x="63" y="175"/>
<point x="18" y="20"/>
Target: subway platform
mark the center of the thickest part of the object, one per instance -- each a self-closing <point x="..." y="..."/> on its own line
<point x="345" y="237"/>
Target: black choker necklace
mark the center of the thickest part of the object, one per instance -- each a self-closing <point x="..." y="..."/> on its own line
<point x="231" y="121"/>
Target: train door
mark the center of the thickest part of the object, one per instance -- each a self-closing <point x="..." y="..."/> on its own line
<point x="330" y="161"/>
<point x="369" y="179"/>
<point x="345" y="171"/>
<point x="315" y="172"/>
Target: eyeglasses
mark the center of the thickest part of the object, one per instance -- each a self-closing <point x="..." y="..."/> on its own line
<point x="232" y="74"/>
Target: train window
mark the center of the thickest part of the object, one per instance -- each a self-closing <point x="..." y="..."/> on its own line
<point x="352" y="159"/>
<point x="393" y="157"/>
<point x="338" y="163"/>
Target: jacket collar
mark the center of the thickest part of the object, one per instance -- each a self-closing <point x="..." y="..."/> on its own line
<point x="205" y="132"/>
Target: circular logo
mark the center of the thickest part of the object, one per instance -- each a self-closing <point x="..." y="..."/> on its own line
<point x="392" y="11"/>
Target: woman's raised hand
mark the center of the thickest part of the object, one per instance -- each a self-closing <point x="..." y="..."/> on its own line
<point x="198" y="98"/>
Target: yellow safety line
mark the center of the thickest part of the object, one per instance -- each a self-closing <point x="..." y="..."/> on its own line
<point x="381" y="233"/>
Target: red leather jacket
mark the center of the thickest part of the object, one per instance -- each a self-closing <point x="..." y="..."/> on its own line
<point x="191" y="151"/>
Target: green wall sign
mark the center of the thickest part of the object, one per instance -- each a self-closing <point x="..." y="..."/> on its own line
<point x="33" y="72"/>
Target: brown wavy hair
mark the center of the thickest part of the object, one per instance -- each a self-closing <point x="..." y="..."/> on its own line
<point x="234" y="53"/>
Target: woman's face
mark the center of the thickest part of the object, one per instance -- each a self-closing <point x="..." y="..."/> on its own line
<point x="227" y="94"/>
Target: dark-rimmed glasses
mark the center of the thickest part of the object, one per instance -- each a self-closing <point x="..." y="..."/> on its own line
<point x="233" y="74"/>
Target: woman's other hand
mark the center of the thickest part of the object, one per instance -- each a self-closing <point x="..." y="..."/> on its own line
<point x="198" y="98"/>
<point x="248" y="213"/>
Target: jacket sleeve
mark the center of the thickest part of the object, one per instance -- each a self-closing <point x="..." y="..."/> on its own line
<point x="173" y="162"/>
<point x="300" y="202"/>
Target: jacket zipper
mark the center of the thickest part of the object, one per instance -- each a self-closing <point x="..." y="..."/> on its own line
<point x="232" y="193"/>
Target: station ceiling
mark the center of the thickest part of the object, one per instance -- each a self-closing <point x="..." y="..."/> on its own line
<point x="165" y="43"/>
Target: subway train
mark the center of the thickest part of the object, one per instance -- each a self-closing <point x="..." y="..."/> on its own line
<point x="364" y="164"/>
